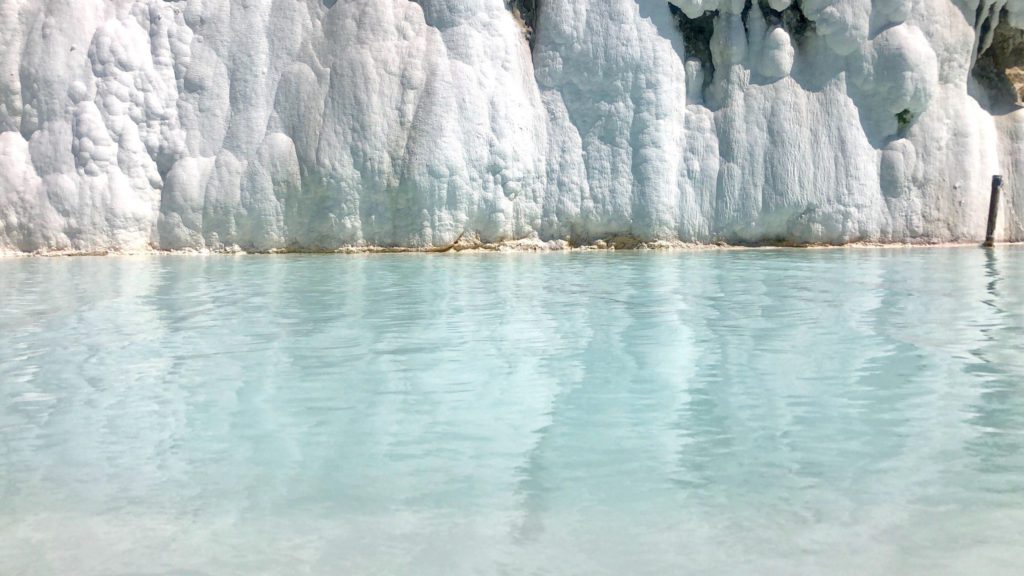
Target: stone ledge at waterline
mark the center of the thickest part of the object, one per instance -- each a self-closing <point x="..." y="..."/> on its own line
<point x="529" y="245"/>
<point x="136" y="125"/>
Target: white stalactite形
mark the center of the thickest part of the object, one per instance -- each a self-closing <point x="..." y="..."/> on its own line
<point x="316" y="125"/>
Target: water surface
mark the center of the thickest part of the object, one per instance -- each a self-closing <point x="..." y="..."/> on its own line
<point x="741" y="412"/>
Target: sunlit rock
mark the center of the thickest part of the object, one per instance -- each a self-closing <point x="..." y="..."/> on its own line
<point x="316" y="125"/>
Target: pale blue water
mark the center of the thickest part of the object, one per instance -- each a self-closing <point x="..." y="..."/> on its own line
<point x="752" y="412"/>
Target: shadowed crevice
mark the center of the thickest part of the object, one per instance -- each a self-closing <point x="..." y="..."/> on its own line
<point x="999" y="68"/>
<point x="697" y="33"/>
<point x="525" y="12"/>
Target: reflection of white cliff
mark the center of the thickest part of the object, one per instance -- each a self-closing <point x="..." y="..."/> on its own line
<point x="130" y="124"/>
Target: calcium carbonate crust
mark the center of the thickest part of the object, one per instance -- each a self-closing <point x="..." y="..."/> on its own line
<point x="525" y="245"/>
<point x="311" y="125"/>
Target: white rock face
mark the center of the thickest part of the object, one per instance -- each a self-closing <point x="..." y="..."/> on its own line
<point x="319" y="124"/>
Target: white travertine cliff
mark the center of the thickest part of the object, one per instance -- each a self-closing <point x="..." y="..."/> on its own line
<point x="319" y="124"/>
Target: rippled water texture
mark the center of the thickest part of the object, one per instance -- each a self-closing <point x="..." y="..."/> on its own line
<point x="749" y="412"/>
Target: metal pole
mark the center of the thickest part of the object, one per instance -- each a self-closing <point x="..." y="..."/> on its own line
<point x="993" y="211"/>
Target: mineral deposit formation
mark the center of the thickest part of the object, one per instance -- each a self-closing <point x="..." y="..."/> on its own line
<point x="322" y="124"/>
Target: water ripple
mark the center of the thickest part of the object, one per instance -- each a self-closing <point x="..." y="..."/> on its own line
<point x="771" y="412"/>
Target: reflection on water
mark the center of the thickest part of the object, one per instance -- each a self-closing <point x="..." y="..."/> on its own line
<point x="769" y="412"/>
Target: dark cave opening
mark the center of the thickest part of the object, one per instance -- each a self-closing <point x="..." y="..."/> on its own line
<point x="999" y="68"/>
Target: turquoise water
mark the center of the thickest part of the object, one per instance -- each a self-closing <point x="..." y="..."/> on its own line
<point x="742" y="412"/>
